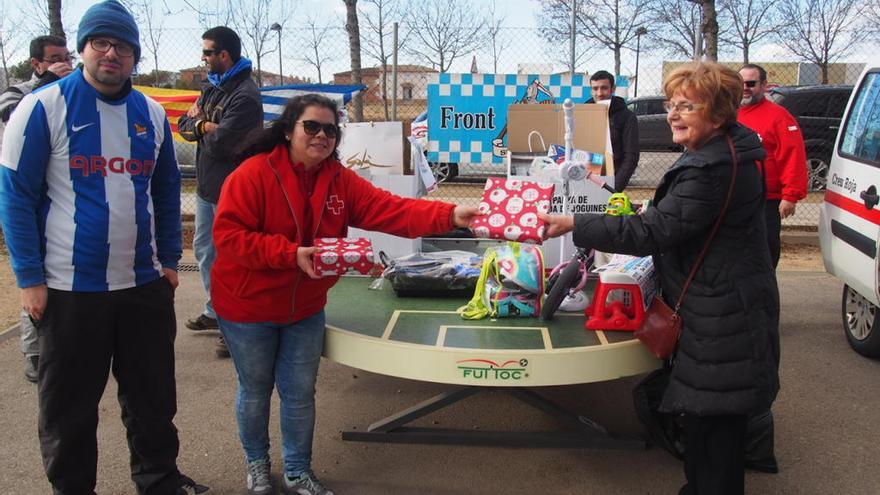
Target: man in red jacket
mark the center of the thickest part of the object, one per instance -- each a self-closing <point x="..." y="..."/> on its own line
<point x="785" y="169"/>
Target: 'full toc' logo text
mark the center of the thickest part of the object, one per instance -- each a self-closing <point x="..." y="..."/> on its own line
<point x="486" y="369"/>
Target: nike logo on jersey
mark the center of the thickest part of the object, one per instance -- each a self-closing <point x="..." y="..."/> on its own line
<point x="77" y="128"/>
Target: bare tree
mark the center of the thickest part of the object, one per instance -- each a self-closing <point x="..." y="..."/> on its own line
<point x="150" y="17"/>
<point x="43" y="16"/>
<point x="709" y="28"/>
<point x="818" y="31"/>
<point x="313" y="37"/>
<point x="377" y="37"/>
<point x="211" y="13"/>
<point x="608" y="23"/>
<point x="56" y="26"/>
<point x="9" y="40"/>
<point x="872" y="19"/>
<point x="444" y="30"/>
<point x="497" y="39"/>
<point x="554" y="33"/>
<point x="750" y="21"/>
<point x="676" y="28"/>
<point x="253" y="21"/>
<point x="354" y="45"/>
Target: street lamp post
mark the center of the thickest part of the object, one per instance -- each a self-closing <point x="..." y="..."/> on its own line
<point x="277" y="27"/>
<point x="639" y="32"/>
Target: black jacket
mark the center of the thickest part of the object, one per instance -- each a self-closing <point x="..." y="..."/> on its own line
<point x="624" y="128"/>
<point x="727" y="358"/>
<point x="236" y="106"/>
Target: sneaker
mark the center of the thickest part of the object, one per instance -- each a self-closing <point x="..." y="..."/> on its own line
<point x="190" y="487"/>
<point x="202" y="322"/>
<point x="576" y="302"/>
<point x="305" y="484"/>
<point x="31" y="368"/>
<point x="259" y="480"/>
<point x="221" y="350"/>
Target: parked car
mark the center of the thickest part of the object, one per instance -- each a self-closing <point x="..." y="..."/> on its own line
<point x="654" y="131"/>
<point x="818" y="110"/>
<point x="849" y="220"/>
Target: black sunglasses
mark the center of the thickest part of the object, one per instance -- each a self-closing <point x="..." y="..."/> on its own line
<point x="751" y="84"/>
<point x="208" y="53"/>
<point x="312" y="128"/>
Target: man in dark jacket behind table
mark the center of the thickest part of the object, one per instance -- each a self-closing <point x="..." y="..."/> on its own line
<point x="227" y="110"/>
<point x="623" y="126"/>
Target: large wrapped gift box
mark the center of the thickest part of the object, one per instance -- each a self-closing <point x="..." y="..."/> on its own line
<point x="339" y="256"/>
<point x="509" y="210"/>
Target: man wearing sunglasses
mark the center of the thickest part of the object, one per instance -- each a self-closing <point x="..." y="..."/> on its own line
<point x="228" y="108"/>
<point x="785" y="168"/>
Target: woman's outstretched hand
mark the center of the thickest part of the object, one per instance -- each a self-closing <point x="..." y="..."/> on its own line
<point x="304" y="260"/>
<point x="463" y="216"/>
<point x="557" y="225"/>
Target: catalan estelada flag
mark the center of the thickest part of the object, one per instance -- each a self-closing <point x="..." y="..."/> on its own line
<point x="177" y="101"/>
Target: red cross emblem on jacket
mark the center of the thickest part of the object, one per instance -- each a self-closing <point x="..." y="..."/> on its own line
<point x="335" y="204"/>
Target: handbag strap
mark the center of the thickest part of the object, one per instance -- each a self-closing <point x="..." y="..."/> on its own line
<point x="715" y="228"/>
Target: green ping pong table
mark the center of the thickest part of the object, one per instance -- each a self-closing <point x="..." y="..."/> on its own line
<point x="425" y="339"/>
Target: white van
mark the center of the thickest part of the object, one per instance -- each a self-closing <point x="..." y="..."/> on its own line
<point x="849" y="221"/>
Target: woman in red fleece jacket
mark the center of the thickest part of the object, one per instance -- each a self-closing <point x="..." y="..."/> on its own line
<point x="268" y="297"/>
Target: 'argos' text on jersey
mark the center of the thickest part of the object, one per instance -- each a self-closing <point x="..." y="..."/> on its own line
<point x="100" y="165"/>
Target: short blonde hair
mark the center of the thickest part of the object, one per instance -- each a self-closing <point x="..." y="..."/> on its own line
<point x="718" y="87"/>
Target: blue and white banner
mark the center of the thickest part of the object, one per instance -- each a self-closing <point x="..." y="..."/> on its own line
<point x="275" y="97"/>
<point x="467" y="113"/>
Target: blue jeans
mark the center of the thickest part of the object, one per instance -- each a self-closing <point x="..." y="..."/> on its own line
<point x="268" y="355"/>
<point x="203" y="245"/>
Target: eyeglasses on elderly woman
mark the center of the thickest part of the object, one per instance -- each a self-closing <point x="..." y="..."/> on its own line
<point x="683" y="108"/>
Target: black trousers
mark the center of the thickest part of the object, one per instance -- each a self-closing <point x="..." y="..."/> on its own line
<point x="774" y="227"/>
<point x="714" y="455"/>
<point x="84" y="335"/>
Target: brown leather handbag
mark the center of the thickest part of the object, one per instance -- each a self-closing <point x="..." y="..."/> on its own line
<point x="661" y="327"/>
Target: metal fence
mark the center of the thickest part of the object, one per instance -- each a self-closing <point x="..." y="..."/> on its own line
<point x="176" y="64"/>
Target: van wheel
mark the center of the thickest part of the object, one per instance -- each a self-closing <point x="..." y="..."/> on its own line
<point x="817" y="170"/>
<point x="444" y="172"/>
<point x="861" y="322"/>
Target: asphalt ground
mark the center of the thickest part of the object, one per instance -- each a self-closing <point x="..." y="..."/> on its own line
<point x="827" y="437"/>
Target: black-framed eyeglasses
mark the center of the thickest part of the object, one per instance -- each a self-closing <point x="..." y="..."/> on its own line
<point x="55" y="60"/>
<point x="312" y="127"/>
<point x="751" y="84"/>
<point x="681" y="107"/>
<point x="102" y="45"/>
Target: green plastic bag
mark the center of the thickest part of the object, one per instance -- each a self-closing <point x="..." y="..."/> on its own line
<point x="511" y="283"/>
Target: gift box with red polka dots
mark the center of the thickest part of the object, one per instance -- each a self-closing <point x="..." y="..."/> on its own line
<point x="338" y="256"/>
<point x="509" y="210"/>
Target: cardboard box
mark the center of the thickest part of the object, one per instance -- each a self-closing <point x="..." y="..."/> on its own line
<point x="590" y="133"/>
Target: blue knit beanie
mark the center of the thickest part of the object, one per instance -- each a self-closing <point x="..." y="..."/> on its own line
<point x="110" y="19"/>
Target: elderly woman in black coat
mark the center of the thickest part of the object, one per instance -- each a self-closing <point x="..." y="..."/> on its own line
<point x="725" y="367"/>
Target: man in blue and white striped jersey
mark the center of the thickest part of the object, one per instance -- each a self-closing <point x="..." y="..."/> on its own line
<point x="90" y="206"/>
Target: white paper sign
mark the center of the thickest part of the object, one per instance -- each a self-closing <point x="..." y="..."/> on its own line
<point x="377" y="146"/>
<point x="585" y="197"/>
